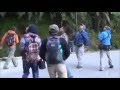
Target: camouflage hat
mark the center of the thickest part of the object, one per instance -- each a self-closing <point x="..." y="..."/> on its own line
<point x="54" y="27"/>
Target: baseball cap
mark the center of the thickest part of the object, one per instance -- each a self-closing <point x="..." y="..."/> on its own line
<point x="53" y="28"/>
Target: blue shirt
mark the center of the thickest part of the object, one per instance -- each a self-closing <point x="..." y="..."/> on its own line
<point x="105" y="37"/>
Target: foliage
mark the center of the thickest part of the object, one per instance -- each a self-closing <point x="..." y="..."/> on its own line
<point x="93" y="20"/>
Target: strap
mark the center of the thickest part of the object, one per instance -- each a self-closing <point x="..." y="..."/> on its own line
<point x="10" y="33"/>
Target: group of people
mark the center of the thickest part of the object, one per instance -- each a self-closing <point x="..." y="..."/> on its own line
<point x="54" y="50"/>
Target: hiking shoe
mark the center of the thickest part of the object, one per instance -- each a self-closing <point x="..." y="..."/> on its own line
<point x="111" y="66"/>
<point x="5" y="67"/>
<point x="101" y="70"/>
<point x="78" y="66"/>
<point x="15" y="64"/>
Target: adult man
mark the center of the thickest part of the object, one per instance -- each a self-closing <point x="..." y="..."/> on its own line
<point x="54" y="51"/>
<point x="105" y="45"/>
<point x="11" y="39"/>
<point x="81" y="39"/>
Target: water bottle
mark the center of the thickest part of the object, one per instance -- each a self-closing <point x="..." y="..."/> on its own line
<point x="60" y="49"/>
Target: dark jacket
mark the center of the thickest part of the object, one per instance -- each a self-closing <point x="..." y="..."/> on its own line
<point x="66" y="50"/>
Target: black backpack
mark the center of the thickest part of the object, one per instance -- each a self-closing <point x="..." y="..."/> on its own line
<point x="54" y="53"/>
<point x="10" y="39"/>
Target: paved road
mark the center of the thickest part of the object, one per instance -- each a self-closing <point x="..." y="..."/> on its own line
<point x="89" y="70"/>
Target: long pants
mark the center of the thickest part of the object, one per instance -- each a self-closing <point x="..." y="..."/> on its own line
<point x="71" y="46"/>
<point x="27" y="66"/>
<point x="79" y="53"/>
<point x="69" y="74"/>
<point x="10" y="52"/>
<point x="57" y="70"/>
<point x="102" y="64"/>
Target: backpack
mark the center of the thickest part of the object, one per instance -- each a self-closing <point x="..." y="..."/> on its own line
<point x="78" y="39"/>
<point x="32" y="49"/>
<point x="10" y="39"/>
<point x="54" y="53"/>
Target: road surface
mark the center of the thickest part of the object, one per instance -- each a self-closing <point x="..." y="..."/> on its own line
<point x="90" y="68"/>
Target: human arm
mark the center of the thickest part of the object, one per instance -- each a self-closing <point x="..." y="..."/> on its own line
<point x="66" y="50"/>
<point x="3" y="39"/>
<point x="43" y="49"/>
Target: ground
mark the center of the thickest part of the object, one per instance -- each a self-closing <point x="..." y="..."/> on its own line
<point x="90" y="68"/>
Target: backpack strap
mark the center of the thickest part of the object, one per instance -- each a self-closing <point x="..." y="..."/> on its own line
<point x="10" y="33"/>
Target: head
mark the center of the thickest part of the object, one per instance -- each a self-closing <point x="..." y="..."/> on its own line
<point x="32" y="28"/>
<point x="53" y="29"/>
<point x="107" y="27"/>
<point x="13" y="28"/>
<point x="81" y="28"/>
<point x="61" y="31"/>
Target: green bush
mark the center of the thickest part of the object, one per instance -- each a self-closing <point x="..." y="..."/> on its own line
<point x="93" y="40"/>
<point x="6" y="23"/>
<point x="115" y="41"/>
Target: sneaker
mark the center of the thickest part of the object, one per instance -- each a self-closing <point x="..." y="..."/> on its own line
<point x="78" y="66"/>
<point x="111" y="66"/>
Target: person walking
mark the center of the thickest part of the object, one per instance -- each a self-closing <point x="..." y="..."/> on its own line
<point x="11" y="39"/>
<point x="81" y="42"/>
<point x="29" y="46"/>
<point x="54" y="51"/>
<point x="63" y="34"/>
<point x="104" y="38"/>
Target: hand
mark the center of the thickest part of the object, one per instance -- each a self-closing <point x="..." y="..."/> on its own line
<point x="86" y="48"/>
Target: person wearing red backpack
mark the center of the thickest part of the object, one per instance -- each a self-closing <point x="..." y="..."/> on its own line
<point x="29" y="47"/>
<point x="10" y="38"/>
